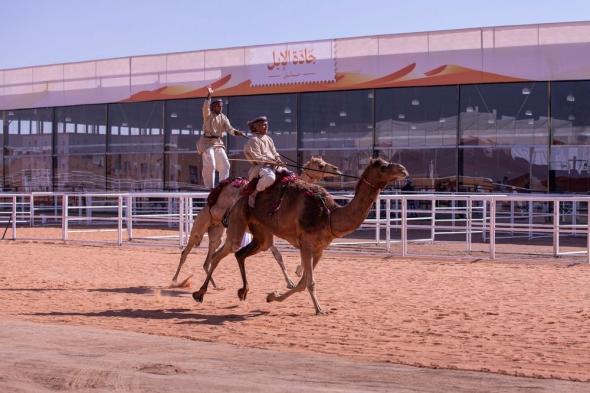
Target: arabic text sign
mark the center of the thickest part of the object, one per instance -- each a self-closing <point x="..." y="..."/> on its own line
<point x="292" y="63"/>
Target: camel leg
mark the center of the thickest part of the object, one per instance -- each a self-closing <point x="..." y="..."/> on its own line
<point x="215" y="233"/>
<point x="306" y="261"/>
<point x="200" y="226"/>
<point x="235" y="232"/>
<point x="311" y="285"/>
<point x="261" y="241"/>
<point x="279" y="259"/>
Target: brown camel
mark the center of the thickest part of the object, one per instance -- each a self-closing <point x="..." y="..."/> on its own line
<point x="310" y="223"/>
<point x="210" y="217"/>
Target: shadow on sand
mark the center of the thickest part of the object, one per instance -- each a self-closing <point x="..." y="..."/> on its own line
<point x="183" y="314"/>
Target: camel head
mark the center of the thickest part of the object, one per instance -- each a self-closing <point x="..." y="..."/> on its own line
<point x="380" y="172"/>
<point x="318" y="169"/>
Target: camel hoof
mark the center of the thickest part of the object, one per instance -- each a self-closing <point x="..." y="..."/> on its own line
<point x="321" y="312"/>
<point x="198" y="296"/>
<point x="290" y="284"/>
<point x="271" y="297"/>
<point x="299" y="270"/>
<point x="242" y="292"/>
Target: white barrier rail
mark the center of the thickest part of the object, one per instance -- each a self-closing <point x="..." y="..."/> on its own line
<point x="429" y="217"/>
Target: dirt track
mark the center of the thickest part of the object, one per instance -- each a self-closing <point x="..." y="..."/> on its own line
<point x="516" y="318"/>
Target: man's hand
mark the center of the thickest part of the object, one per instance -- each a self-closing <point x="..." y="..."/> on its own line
<point x="209" y="92"/>
<point x="238" y="133"/>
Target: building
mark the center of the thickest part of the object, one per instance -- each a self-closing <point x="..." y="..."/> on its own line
<point x="487" y="109"/>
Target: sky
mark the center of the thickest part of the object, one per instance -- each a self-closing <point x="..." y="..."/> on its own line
<point x="40" y="32"/>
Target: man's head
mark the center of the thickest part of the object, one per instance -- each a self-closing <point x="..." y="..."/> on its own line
<point x="259" y="125"/>
<point x="216" y="105"/>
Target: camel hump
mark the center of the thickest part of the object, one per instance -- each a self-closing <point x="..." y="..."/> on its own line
<point x="216" y="192"/>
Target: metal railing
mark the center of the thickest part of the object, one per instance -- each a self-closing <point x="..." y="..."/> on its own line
<point x="429" y="217"/>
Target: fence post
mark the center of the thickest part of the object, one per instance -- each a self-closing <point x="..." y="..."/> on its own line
<point x="64" y="217"/>
<point x="129" y="216"/>
<point x="120" y="220"/>
<point x="32" y="209"/>
<point x="433" y="220"/>
<point x="469" y="211"/>
<point x="378" y="220"/>
<point x="404" y="227"/>
<point x="14" y="217"/>
<point x="180" y="222"/>
<point x="493" y="228"/>
<point x="555" y="227"/>
<point x="388" y="224"/>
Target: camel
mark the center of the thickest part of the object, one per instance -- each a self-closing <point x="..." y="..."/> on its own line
<point x="310" y="223"/>
<point x="209" y="219"/>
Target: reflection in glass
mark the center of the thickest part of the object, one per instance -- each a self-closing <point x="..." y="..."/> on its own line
<point x="184" y="172"/>
<point x="136" y="147"/>
<point x="431" y="169"/>
<point x="29" y="131"/>
<point x="570" y="150"/>
<point x="280" y="109"/>
<point x="509" y="169"/>
<point x="81" y="172"/>
<point x="81" y="129"/>
<point x="417" y="127"/>
<point x="28" y="173"/>
<point x="504" y="114"/>
<point x="345" y="141"/>
<point x="135" y="172"/>
<point x="136" y="127"/>
<point x="183" y="124"/>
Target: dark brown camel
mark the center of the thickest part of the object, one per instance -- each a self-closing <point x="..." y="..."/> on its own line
<point x="208" y="220"/>
<point x="308" y="218"/>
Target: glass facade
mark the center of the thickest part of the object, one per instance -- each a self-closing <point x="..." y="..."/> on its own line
<point x="504" y="136"/>
<point x="501" y="137"/>
<point x="135" y="147"/>
<point x="184" y="121"/>
<point x="81" y="148"/>
<point x="417" y="126"/>
<point x="281" y="111"/>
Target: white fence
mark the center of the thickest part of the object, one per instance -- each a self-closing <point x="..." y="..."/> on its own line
<point x="429" y="218"/>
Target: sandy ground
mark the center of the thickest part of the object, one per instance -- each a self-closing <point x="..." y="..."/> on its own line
<point x="521" y="317"/>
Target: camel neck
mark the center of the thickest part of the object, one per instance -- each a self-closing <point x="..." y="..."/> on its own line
<point x="348" y="218"/>
<point x="305" y="177"/>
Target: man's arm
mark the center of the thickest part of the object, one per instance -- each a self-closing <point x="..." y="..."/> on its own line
<point x="227" y="127"/>
<point x="207" y="104"/>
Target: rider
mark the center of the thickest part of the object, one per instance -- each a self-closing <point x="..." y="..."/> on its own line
<point x="261" y="152"/>
<point x="211" y="145"/>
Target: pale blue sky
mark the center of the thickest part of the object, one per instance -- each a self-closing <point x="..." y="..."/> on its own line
<point x="36" y="32"/>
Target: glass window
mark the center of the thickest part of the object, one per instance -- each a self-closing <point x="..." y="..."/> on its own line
<point x="184" y="123"/>
<point x="135" y="147"/>
<point x="504" y="136"/>
<point x="281" y="111"/>
<point x="81" y="129"/>
<point x="339" y="127"/>
<point x="504" y="169"/>
<point x="184" y="172"/>
<point x="570" y="150"/>
<point x="136" y="127"/>
<point x="504" y="114"/>
<point x="29" y="131"/>
<point x="28" y="173"/>
<point x="416" y="116"/>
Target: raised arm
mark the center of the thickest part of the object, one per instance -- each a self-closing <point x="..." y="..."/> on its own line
<point x="207" y="104"/>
